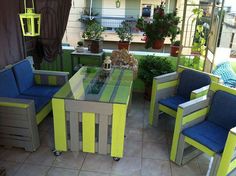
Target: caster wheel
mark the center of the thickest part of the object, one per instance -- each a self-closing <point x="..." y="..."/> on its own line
<point x="116" y="159"/>
<point x="57" y="153"/>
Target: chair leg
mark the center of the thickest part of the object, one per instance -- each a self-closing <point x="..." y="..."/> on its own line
<point x="214" y="165"/>
<point x="156" y="117"/>
<point x="180" y="150"/>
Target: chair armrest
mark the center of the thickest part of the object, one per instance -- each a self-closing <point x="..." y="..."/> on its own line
<point x="194" y="105"/>
<point x="15" y="102"/>
<point x="199" y="92"/>
<point x="54" y="78"/>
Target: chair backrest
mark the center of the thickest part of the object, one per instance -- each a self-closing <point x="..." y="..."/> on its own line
<point x="223" y="109"/>
<point x="191" y="80"/>
<point x="8" y="87"/>
<point x="24" y="75"/>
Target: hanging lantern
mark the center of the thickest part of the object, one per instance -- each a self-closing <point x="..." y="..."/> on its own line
<point x="107" y="64"/>
<point x="30" y="21"/>
<point x="117" y="3"/>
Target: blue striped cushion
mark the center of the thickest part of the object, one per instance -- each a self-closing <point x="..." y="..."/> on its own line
<point x="227" y="74"/>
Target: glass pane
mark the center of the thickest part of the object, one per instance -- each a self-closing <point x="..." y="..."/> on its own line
<point x="93" y="84"/>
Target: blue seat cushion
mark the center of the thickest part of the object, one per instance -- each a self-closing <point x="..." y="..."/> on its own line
<point x="223" y="110"/>
<point x="208" y="134"/>
<point x="39" y="102"/>
<point x="173" y="102"/>
<point x="24" y="75"/>
<point x="8" y="87"/>
<point x="41" y="91"/>
<point x="191" y="80"/>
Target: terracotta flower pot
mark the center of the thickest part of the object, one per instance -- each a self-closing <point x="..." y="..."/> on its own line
<point x="158" y="44"/>
<point x="123" y="45"/>
<point x="175" y="50"/>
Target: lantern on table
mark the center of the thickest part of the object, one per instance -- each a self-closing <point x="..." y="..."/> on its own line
<point x="107" y="64"/>
<point x="30" y="21"/>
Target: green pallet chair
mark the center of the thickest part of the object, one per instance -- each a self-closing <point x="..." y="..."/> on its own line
<point x="207" y="124"/>
<point x="173" y="89"/>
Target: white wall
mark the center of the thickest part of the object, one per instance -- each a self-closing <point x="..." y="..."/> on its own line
<point x="74" y="27"/>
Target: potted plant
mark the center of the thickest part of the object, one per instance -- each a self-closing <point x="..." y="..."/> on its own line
<point x="162" y="26"/>
<point x="93" y="32"/>
<point x="125" y="34"/>
<point x="151" y="66"/>
<point x="80" y="46"/>
<point x="175" y="48"/>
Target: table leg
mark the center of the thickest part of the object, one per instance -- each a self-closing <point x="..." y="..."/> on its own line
<point x="59" y="121"/>
<point x="118" y="130"/>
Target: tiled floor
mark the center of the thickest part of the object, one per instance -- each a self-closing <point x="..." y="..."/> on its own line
<point x="147" y="151"/>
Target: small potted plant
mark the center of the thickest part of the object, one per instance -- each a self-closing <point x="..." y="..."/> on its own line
<point x="93" y="32"/>
<point x="151" y="66"/>
<point x="125" y="34"/>
<point x="80" y="46"/>
<point x="175" y="48"/>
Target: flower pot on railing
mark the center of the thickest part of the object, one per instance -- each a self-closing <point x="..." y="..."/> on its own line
<point x="123" y="45"/>
<point x="158" y="44"/>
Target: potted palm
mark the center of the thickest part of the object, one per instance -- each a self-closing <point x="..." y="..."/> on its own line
<point x="125" y="34"/>
<point x="93" y="32"/>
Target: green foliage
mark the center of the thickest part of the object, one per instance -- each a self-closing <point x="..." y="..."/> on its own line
<point x="125" y="31"/>
<point x="80" y="43"/>
<point x="88" y="21"/>
<point x="141" y="24"/>
<point x="163" y="25"/>
<point x="192" y="62"/>
<point x="176" y="43"/>
<point x="151" y="66"/>
<point x="93" y="31"/>
<point x="199" y="37"/>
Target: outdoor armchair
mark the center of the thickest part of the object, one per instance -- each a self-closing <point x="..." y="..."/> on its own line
<point x="25" y="100"/>
<point x="171" y="90"/>
<point x="207" y="124"/>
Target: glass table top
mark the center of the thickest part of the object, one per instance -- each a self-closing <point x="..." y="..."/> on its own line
<point x="93" y="84"/>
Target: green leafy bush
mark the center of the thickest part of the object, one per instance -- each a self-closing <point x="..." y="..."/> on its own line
<point x="93" y="31"/>
<point x="125" y="31"/>
<point x="152" y="66"/>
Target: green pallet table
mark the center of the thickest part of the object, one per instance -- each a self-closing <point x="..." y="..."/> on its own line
<point x="90" y="111"/>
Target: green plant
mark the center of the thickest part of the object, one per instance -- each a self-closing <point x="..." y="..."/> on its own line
<point x="199" y="37"/>
<point x="125" y="31"/>
<point x="80" y="43"/>
<point x="151" y="66"/>
<point x="93" y="31"/>
<point x="84" y="17"/>
<point x="176" y="43"/>
<point x="141" y="24"/>
<point x="163" y="25"/>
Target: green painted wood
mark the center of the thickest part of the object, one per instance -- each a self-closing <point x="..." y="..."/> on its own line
<point x="107" y="93"/>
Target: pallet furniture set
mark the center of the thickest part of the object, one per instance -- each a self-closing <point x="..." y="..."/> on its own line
<point x="90" y="110"/>
<point x="208" y="124"/>
<point x="171" y="90"/>
<point x="25" y="100"/>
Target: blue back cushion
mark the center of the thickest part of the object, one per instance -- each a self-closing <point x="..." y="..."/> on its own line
<point x="24" y="75"/>
<point x="191" y="80"/>
<point x="8" y="87"/>
<point x="223" y="110"/>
